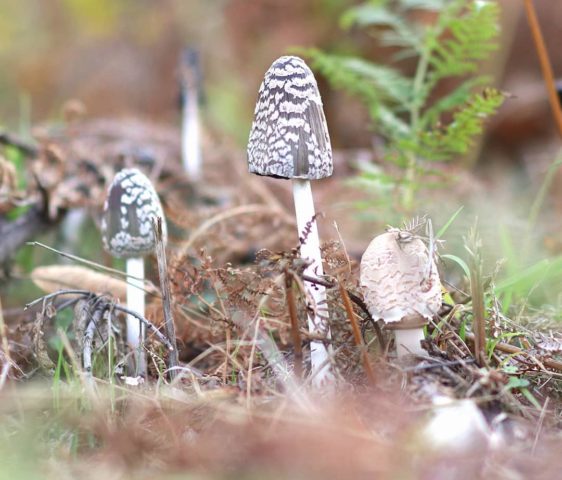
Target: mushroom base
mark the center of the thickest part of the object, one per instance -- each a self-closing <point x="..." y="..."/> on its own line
<point x="408" y="342"/>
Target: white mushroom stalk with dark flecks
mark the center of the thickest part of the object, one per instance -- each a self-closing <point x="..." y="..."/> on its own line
<point x="127" y="232"/>
<point x="190" y="81"/>
<point x="289" y="139"/>
<point x="401" y="286"/>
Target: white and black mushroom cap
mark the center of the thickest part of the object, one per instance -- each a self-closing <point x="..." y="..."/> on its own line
<point x="289" y="136"/>
<point x="398" y="278"/>
<point x="128" y="213"/>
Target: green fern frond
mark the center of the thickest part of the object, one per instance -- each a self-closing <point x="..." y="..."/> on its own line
<point x="456" y="138"/>
<point x="384" y="90"/>
<point x="470" y="38"/>
<point x="459" y="96"/>
<point x="406" y="112"/>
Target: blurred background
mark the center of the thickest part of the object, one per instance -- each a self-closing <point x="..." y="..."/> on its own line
<point x="120" y="59"/>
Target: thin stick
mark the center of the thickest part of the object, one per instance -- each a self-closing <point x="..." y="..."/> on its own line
<point x="227" y="347"/>
<point x="357" y="335"/>
<point x="89" y="339"/>
<point x="358" y="301"/>
<point x="477" y="294"/>
<point x="95" y="265"/>
<point x="22" y="145"/>
<point x="540" y="425"/>
<point x="148" y="325"/>
<point x="251" y="363"/>
<point x="295" y="333"/>
<point x="513" y="350"/>
<point x="545" y="64"/>
<point x="4" y="334"/>
<point x="166" y="298"/>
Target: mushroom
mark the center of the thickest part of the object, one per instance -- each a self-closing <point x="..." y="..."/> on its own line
<point x="289" y="139"/>
<point x="190" y="132"/>
<point x="129" y="209"/>
<point x="401" y="286"/>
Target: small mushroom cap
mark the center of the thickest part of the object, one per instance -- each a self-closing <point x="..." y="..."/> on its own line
<point x="128" y="212"/>
<point x="398" y="278"/>
<point x="289" y="136"/>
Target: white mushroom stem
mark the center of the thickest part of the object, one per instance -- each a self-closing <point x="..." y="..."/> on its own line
<point x="409" y="341"/>
<point x="135" y="302"/>
<point x="190" y="137"/>
<point x="310" y="249"/>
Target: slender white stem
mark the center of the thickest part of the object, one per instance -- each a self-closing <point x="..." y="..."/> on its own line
<point x="409" y="341"/>
<point x="191" y="138"/>
<point x="310" y="249"/>
<point x="135" y="302"/>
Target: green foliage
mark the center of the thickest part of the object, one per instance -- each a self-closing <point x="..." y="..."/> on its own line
<point x="419" y="122"/>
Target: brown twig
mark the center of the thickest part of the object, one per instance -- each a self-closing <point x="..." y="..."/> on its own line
<point x="295" y="332"/>
<point x="357" y="334"/>
<point x="12" y="140"/>
<point x="358" y="301"/>
<point x="477" y="294"/>
<point x="86" y="293"/>
<point x="14" y="234"/>
<point x="513" y="350"/>
<point x="545" y="64"/>
<point x="166" y="298"/>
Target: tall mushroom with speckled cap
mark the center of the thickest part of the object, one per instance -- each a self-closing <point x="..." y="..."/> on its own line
<point x="289" y="139"/>
<point x="129" y="210"/>
<point x="401" y="286"/>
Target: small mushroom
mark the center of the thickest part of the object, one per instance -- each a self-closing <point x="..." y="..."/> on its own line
<point x="401" y="286"/>
<point x="127" y="232"/>
<point x="289" y="139"/>
<point x="190" y="82"/>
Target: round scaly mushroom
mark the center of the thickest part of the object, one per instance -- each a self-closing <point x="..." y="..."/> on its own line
<point x="127" y="232"/>
<point x="289" y="139"/>
<point x="190" y="82"/>
<point x="401" y="286"/>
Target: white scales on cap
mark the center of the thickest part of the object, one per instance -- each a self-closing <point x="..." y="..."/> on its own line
<point x="289" y="139"/>
<point x="289" y="136"/>
<point x="130" y="207"/>
<point x="401" y="286"/>
<point x="129" y="211"/>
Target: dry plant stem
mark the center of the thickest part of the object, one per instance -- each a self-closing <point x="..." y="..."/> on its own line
<point x="147" y="324"/>
<point x="4" y="334"/>
<point x="545" y="64"/>
<point x="477" y="294"/>
<point x="357" y="335"/>
<point x="89" y="339"/>
<point x="166" y="298"/>
<point x="190" y="135"/>
<point x="513" y="350"/>
<point x="251" y="364"/>
<point x="228" y="334"/>
<point x="359" y="302"/>
<point x="9" y="139"/>
<point x="15" y="233"/>
<point x="310" y="250"/>
<point x="74" y="258"/>
<point x="295" y="333"/>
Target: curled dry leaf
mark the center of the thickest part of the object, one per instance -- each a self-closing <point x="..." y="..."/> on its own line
<point x="52" y="278"/>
